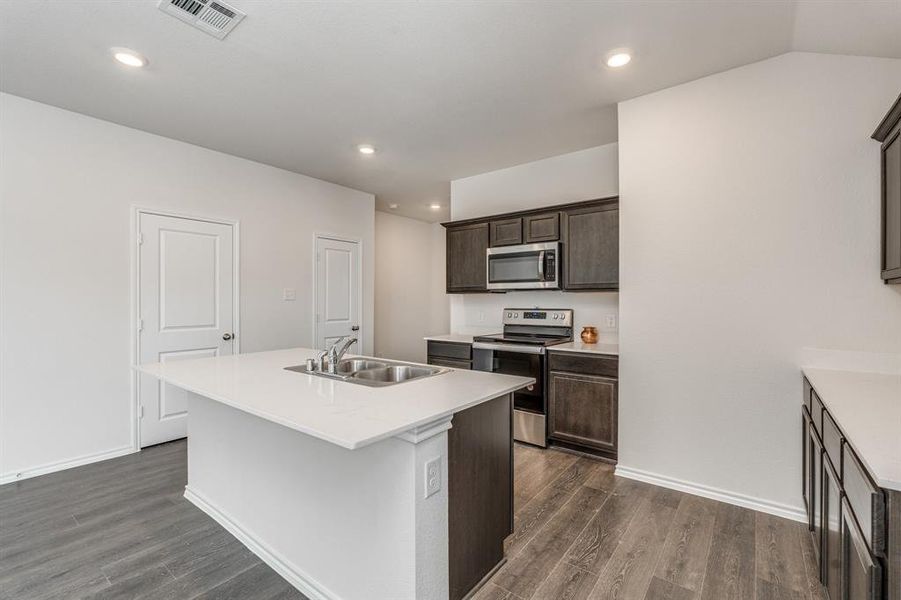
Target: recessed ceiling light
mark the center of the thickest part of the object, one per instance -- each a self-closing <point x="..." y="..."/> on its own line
<point x="434" y="206"/>
<point x="618" y="58"/>
<point x="129" y="57"/>
<point x="392" y="206"/>
<point x="366" y="149"/>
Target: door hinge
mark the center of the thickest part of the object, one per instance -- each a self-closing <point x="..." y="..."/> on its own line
<point x="141" y="412"/>
<point x="140" y="239"/>
<point x="140" y="324"/>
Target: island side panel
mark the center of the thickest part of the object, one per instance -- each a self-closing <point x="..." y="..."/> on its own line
<point x="336" y="523"/>
<point x="480" y="486"/>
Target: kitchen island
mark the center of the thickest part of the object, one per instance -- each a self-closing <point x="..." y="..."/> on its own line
<point x="349" y="491"/>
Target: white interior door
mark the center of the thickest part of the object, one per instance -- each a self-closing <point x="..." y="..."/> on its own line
<point x="186" y="306"/>
<point x="337" y="291"/>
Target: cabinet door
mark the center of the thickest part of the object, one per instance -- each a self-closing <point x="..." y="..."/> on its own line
<point x="891" y="207"/>
<point x="541" y="228"/>
<point x="506" y="232"/>
<point x="831" y="526"/>
<point x="583" y="410"/>
<point x="466" y="258"/>
<point x="861" y="573"/>
<point x="805" y="464"/>
<point x="591" y="248"/>
<point x="815" y="468"/>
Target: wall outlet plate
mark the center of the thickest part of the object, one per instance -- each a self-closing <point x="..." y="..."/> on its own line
<point x="610" y="321"/>
<point x="433" y="477"/>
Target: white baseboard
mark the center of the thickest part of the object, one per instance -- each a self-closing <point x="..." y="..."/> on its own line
<point x="64" y="464"/>
<point x="295" y="576"/>
<point x="794" y="513"/>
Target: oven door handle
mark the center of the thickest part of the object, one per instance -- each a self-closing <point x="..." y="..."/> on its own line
<point x="521" y="348"/>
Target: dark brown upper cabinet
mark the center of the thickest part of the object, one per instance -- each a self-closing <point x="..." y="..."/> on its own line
<point x="506" y="232"/>
<point x="467" y="264"/>
<point x="588" y="233"/>
<point x="591" y="247"/>
<point x="541" y="228"/>
<point x="889" y="133"/>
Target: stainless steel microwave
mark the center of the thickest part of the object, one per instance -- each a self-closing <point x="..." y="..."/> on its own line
<point x="524" y="267"/>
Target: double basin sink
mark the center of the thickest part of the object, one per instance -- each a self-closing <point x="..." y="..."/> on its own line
<point x="374" y="373"/>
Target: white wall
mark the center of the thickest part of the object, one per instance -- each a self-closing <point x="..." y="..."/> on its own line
<point x="749" y="230"/>
<point x="410" y="301"/>
<point x="572" y="177"/>
<point x="67" y="184"/>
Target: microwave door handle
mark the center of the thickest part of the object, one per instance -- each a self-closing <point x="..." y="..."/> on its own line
<point x="541" y="265"/>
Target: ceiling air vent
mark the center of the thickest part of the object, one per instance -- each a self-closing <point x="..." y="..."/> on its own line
<point x="213" y="17"/>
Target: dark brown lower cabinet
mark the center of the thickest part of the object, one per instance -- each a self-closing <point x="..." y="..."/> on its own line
<point x="480" y="491"/>
<point x="449" y="354"/>
<point x="583" y="402"/>
<point x="816" y="496"/>
<point x="861" y="572"/>
<point x="805" y="461"/>
<point x="832" y="531"/>
<point x="855" y="524"/>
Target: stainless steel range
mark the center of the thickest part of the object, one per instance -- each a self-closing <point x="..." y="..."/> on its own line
<point x="520" y="350"/>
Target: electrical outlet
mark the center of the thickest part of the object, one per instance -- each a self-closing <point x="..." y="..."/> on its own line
<point x="289" y="294"/>
<point x="433" y="477"/>
<point x="610" y="321"/>
<point x="481" y="316"/>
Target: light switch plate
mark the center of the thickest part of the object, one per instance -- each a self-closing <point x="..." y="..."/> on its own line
<point x="433" y="477"/>
<point x="289" y="294"/>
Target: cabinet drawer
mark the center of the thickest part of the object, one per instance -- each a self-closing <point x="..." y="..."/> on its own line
<point x="587" y="364"/>
<point x="806" y="399"/>
<point x="452" y="350"/>
<point x="832" y="442"/>
<point x="816" y="412"/>
<point x="866" y="499"/>
<point x="449" y="362"/>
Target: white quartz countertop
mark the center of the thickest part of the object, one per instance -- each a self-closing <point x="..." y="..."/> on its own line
<point x="459" y="338"/>
<point x="580" y="346"/>
<point x="867" y="407"/>
<point x="346" y="414"/>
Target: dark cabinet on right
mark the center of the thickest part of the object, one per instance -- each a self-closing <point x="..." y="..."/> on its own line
<point x="889" y="134"/>
<point x="583" y="404"/>
<point x="855" y="525"/>
<point x="591" y="248"/>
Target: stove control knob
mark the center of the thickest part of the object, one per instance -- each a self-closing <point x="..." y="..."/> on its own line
<point x="556" y="316"/>
<point x="515" y="315"/>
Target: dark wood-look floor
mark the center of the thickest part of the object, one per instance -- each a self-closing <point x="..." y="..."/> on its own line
<point x="582" y="533"/>
<point x="121" y="529"/>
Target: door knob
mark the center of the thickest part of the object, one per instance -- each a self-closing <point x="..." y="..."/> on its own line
<point x="227" y="336"/>
<point x="355" y="328"/>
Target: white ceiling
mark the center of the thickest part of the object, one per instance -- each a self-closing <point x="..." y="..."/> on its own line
<point x="442" y="89"/>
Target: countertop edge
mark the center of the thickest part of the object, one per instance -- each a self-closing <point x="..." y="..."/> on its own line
<point x="574" y="350"/>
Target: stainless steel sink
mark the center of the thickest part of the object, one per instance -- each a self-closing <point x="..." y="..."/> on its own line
<point x="373" y="373"/>
<point x="395" y="374"/>
<point x="352" y="365"/>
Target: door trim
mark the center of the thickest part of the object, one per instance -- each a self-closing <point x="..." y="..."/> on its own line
<point x="340" y="238"/>
<point x="135" y="308"/>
